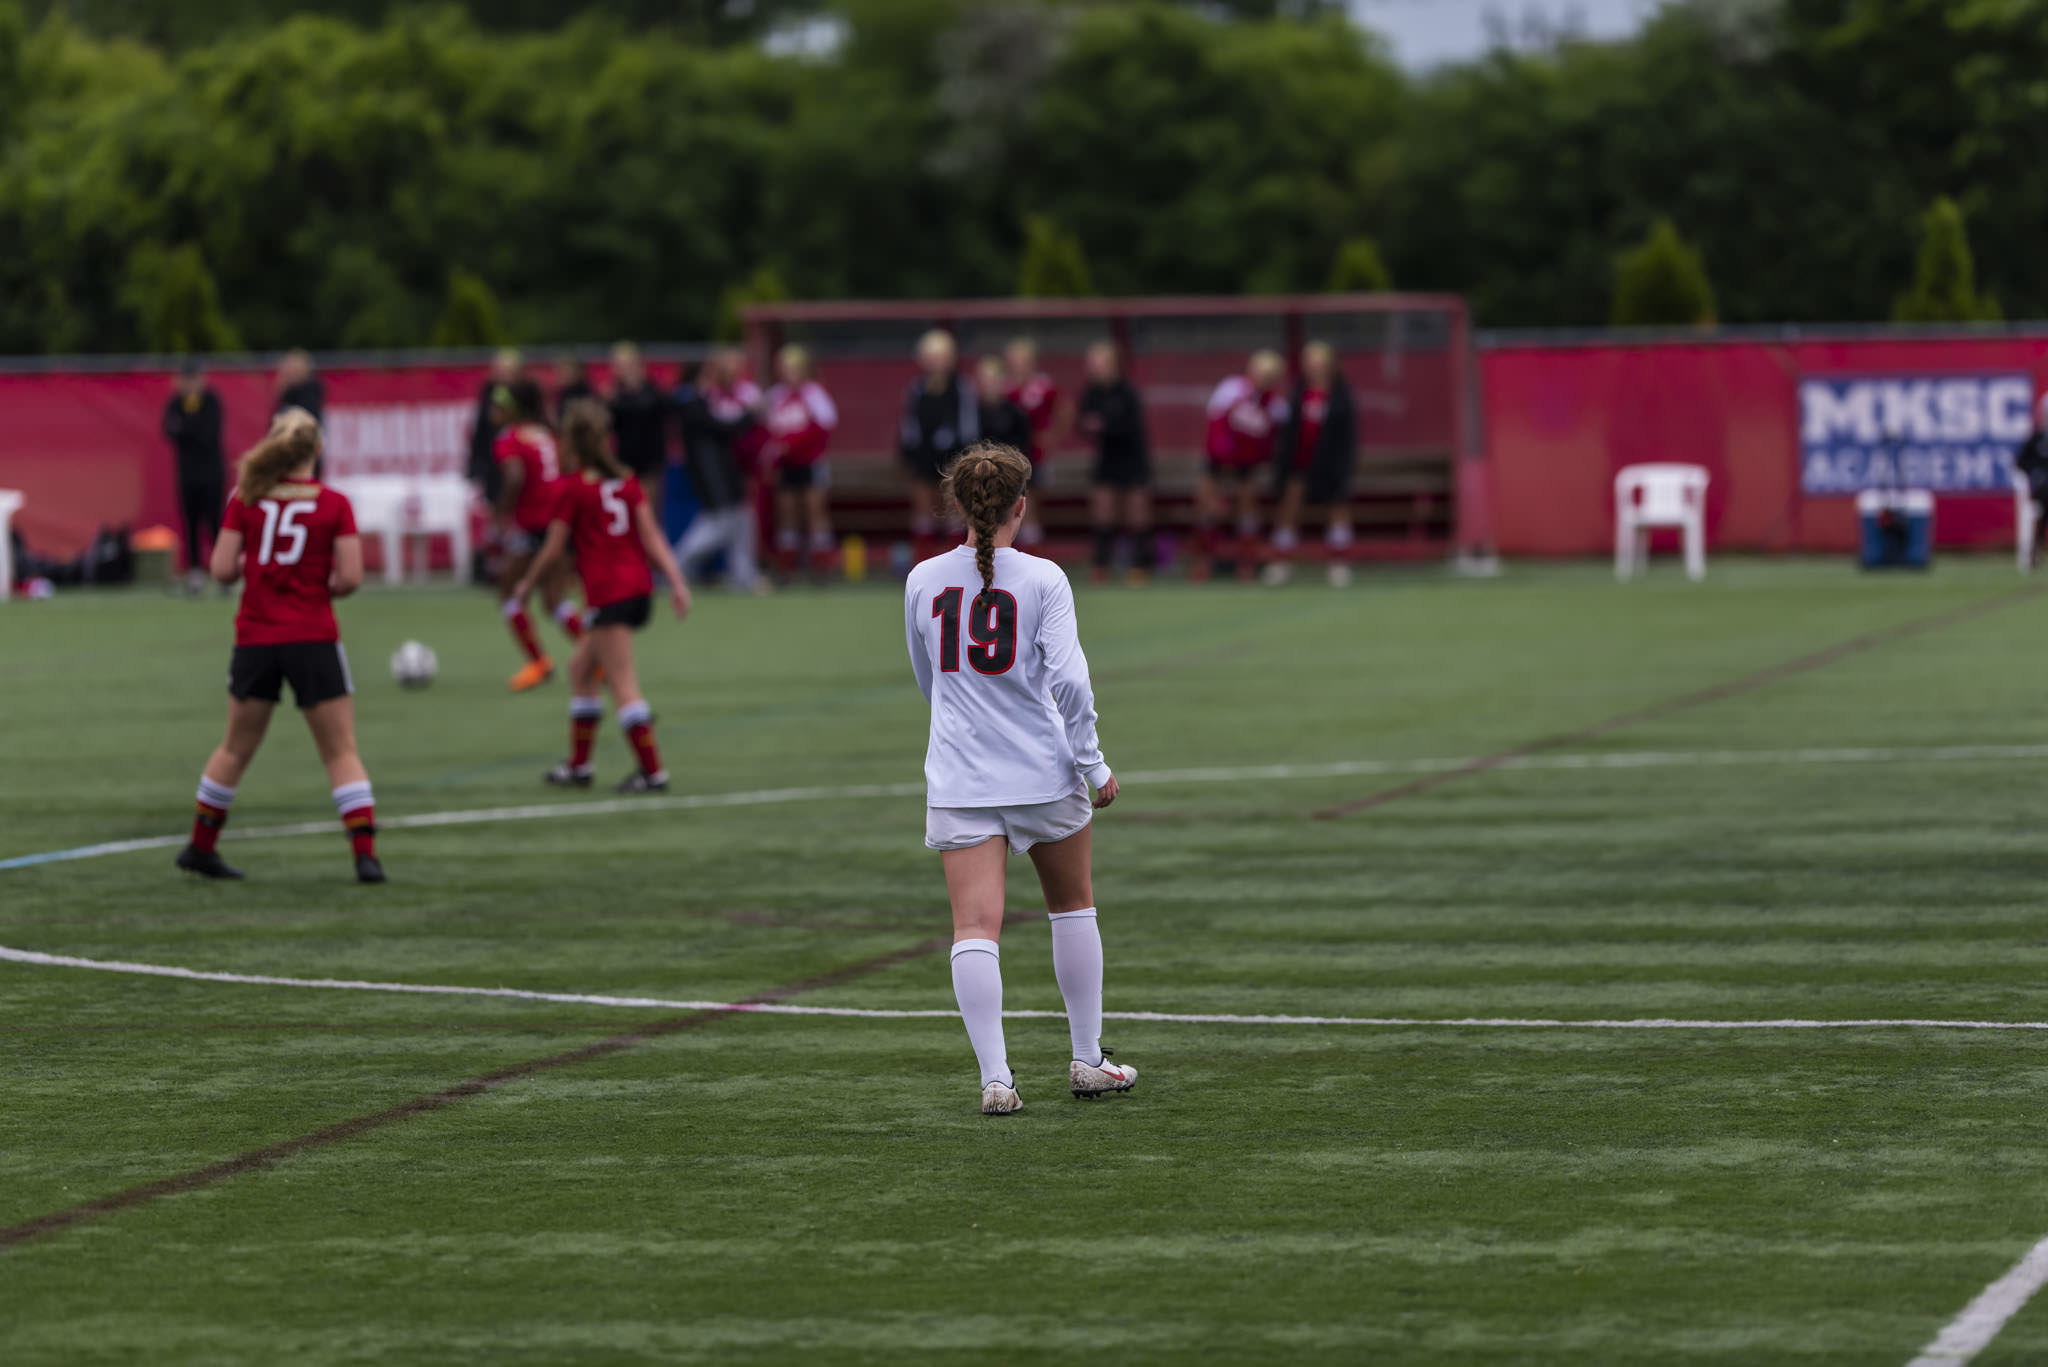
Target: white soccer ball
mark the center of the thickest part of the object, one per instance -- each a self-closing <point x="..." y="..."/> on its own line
<point x="414" y="665"/>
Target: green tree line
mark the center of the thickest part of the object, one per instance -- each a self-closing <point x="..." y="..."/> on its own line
<point x="208" y="174"/>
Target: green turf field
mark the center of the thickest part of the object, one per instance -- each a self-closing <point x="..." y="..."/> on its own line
<point x="1857" y="836"/>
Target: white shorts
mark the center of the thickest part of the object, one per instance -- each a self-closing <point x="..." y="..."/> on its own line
<point x="1039" y="823"/>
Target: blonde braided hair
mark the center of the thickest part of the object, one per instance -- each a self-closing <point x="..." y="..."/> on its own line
<point x="985" y="481"/>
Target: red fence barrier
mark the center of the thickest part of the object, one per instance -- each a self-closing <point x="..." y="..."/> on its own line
<point x="1561" y="419"/>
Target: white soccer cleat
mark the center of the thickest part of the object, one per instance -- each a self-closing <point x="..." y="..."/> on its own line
<point x="996" y="1099"/>
<point x="1340" y="575"/>
<point x="1276" y="574"/>
<point x="1091" y="1082"/>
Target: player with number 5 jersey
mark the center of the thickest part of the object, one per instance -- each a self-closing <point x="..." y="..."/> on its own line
<point x="292" y="541"/>
<point x="1009" y="764"/>
<point x="600" y="511"/>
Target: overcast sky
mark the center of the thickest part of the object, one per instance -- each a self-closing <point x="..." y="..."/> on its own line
<point x="1426" y="32"/>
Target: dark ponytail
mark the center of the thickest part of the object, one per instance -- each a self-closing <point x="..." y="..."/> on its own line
<point x="985" y="481"/>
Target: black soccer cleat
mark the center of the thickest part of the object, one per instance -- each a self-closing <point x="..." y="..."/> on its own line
<point x="206" y="863"/>
<point x="644" y="783"/>
<point x="566" y="776"/>
<point x="368" y="870"/>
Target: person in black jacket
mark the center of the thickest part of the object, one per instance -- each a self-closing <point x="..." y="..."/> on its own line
<point x="299" y="387"/>
<point x="572" y="382"/>
<point x="1312" y="464"/>
<point x="711" y="423"/>
<point x="639" y="419"/>
<point x="2031" y="462"/>
<point x="192" y="422"/>
<point x="1003" y="419"/>
<point x="483" y="432"/>
<point x="941" y="417"/>
<point x="1112" y="416"/>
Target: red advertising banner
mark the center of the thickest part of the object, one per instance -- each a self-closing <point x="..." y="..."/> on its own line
<point x="1775" y="423"/>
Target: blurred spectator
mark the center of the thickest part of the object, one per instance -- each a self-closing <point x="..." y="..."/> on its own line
<point x="192" y="422"/>
<point x="2031" y="460"/>
<point x="1312" y="463"/>
<point x="1033" y="391"/>
<point x="1112" y="416"/>
<point x="713" y="420"/>
<point x="299" y="387"/>
<point x="572" y="382"/>
<point x="1003" y="419"/>
<point x="483" y="433"/>
<point x="799" y="417"/>
<point x="941" y="416"/>
<point x="639" y="419"/>
<point x="1245" y="413"/>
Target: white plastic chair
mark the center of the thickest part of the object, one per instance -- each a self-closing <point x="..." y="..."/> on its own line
<point x="394" y="508"/>
<point x="10" y="503"/>
<point x="1659" y="495"/>
<point x="2026" y="518"/>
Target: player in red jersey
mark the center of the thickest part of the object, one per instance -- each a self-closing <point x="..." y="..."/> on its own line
<point x="1032" y="390"/>
<point x="799" y="417"/>
<point x="293" y="542"/>
<point x="601" y="509"/>
<point x="531" y="470"/>
<point x="1245" y="412"/>
<point x="1312" y="464"/>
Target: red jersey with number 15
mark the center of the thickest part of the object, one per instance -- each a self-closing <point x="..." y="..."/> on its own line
<point x="603" y="520"/>
<point x="532" y="448"/>
<point x="288" y="539"/>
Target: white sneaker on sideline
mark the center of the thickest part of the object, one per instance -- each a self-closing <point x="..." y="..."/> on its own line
<point x="1089" y="1083"/>
<point x="996" y="1099"/>
<point x="1276" y="573"/>
<point x="1340" y="575"/>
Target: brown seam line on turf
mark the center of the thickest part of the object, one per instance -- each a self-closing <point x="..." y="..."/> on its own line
<point x="1748" y="683"/>
<point x="422" y="1105"/>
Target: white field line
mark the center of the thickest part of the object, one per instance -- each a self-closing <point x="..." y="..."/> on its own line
<point x="1971" y="1332"/>
<point x="38" y="959"/>
<point x="1621" y="759"/>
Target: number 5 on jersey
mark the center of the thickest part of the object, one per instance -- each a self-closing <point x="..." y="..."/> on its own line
<point x="991" y="626"/>
<point x="621" y="515"/>
<point x="284" y="540"/>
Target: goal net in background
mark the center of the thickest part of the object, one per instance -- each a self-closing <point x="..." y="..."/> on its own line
<point x="1408" y="359"/>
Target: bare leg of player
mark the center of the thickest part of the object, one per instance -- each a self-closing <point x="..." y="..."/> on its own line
<point x="1208" y="509"/>
<point x="975" y="885"/>
<point x="1286" y="533"/>
<point x="1138" y="521"/>
<point x="818" y="518"/>
<point x="248" y="720"/>
<point x="333" y="724"/>
<point x="924" y="523"/>
<point x="789" y="537"/>
<point x="613" y="647"/>
<point x="1248" y="549"/>
<point x="1065" y="874"/>
<point x="555" y="589"/>
<point x="586" y="710"/>
<point x="538" y="668"/>
<point x="1102" y="519"/>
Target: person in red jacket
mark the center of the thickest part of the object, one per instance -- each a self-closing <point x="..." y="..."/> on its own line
<point x="601" y="509"/>
<point x="799" y="417"/>
<point x="1245" y="414"/>
<point x="1032" y="390"/>
<point x="530" y="471"/>
<point x="292" y="542"/>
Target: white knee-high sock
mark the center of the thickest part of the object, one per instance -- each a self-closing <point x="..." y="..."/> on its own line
<point x="1077" y="966"/>
<point x="978" y="987"/>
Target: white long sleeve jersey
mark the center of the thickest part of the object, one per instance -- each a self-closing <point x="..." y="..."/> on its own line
<point x="1013" y="713"/>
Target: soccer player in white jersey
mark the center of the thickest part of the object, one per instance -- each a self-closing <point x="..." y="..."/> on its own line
<point x="1012" y="757"/>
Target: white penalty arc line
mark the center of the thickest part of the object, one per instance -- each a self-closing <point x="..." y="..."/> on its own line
<point x="1971" y="1332"/>
<point x="761" y="797"/>
<point x="36" y="958"/>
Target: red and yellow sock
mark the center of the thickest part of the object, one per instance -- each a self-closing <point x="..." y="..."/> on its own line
<point x="358" y="816"/>
<point x="522" y="629"/>
<point x="636" y="718"/>
<point x="584" y="715"/>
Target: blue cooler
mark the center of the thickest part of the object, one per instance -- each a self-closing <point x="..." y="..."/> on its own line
<point x="1898" y="528"/>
